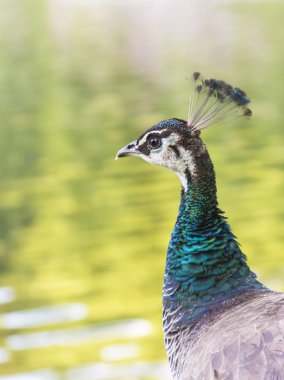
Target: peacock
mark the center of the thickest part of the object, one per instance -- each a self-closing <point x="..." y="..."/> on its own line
<point x="219" y="321"/>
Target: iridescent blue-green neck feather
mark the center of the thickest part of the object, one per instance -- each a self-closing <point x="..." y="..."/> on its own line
<point x="205" y="265"/>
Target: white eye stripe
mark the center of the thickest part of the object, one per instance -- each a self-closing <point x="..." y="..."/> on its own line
<point x="144" y="138"/>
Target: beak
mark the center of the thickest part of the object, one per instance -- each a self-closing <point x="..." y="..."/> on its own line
<point x="128" y="150"/>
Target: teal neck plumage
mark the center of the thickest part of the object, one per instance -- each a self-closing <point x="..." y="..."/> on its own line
<point x="205" y="265"/>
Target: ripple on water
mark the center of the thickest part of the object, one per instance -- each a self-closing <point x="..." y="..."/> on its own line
<point x="7" y="294"/>
<point x="133" y="371"/>
<point x="120" y="352"/>
<point x="4" y="355"/>
<point x="44" y="315"/>
<point x="45" y="374"/>
<point x="132" y="328"/>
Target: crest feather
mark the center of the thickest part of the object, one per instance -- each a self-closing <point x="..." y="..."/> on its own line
<point x="213" y="101"/>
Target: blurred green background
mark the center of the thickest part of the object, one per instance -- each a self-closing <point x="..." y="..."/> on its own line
<point x="83" y="237"/>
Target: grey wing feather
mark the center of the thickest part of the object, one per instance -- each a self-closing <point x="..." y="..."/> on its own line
<point x="245" y="343"/>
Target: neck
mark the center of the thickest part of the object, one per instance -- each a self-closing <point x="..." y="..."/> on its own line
<point x="205" y="265"/>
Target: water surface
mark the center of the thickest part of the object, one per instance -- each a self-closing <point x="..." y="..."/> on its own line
<point x="79" y="80"/>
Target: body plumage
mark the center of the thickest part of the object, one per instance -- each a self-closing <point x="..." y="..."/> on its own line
<point x="219" y="321"/>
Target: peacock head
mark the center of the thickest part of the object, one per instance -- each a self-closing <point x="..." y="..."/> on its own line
<point x="175" y="143"/>
<point x="170" y="144"/>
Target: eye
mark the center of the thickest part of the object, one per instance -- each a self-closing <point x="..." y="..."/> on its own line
<point x="154" y="142"/>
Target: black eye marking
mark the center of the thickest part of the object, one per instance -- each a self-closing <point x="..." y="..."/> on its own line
<point x="154" y="141"/>
<point x="175" y="149"/>
<point x="187" y="174"/>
